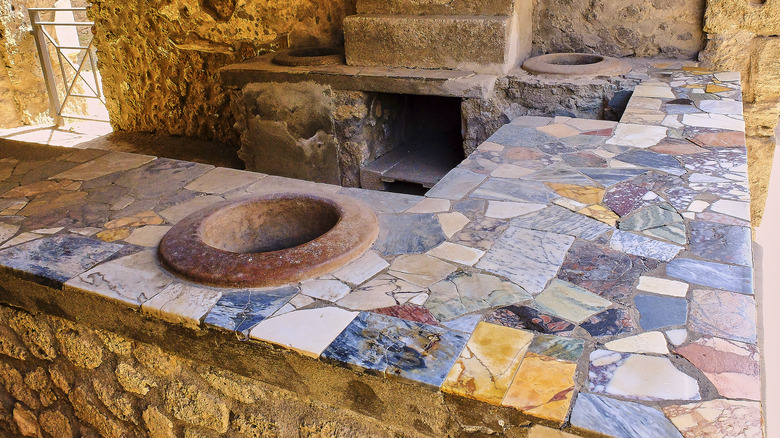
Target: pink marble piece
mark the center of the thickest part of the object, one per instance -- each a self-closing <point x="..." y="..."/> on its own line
<point x="733" y="367"/>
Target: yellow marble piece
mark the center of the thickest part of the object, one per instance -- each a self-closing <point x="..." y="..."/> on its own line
<point x="542" y="387"/>
<point x="584" y="194"/>
<point x="488" y="363"/>
<point x="136" y="220"/>
<point x="559" y="130"/>
<point x="694" y="86"/>
<point x="600" y="213"/>
<point x="113" y="234"/>
<point x="538" y="431"/>
<point x="712" y="88"/>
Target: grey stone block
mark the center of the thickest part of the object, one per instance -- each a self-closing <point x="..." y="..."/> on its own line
<point x="477" y="43"/>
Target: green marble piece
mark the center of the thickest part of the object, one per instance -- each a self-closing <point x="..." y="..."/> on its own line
<point x="569" y="301"/>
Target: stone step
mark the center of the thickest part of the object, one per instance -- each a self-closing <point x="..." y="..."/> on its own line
<point x="484" y="44"/>
<point x="440" y="7"/>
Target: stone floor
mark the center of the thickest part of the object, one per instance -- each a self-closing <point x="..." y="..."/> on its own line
<point x="594" y="275"/>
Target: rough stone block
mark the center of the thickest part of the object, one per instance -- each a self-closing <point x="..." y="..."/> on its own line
<point x="437" y="7"/>
<point x="477" y="43"/>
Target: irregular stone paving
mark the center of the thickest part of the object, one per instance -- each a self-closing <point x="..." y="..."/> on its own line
<point x="594" y="275"/>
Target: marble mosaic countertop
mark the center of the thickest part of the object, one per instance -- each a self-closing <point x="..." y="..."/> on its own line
<point x="595" y="275"/>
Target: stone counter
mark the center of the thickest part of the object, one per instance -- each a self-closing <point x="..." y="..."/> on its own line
<point x="576" y="274"/>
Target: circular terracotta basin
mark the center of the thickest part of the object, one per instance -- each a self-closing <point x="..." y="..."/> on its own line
<point x="575" y="64"/>
<point x="269" y="240"/>
<point x="310" y="56"/>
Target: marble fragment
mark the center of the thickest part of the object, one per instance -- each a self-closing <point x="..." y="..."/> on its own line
<point x="421" y="270"/>
<point x="506" y="210"/>
<point x="638" y="136"/>
<point x="559" y="220"/>
<point x="182" y="303"/>
<point x="362" y="269"/>
<point x="618" y="418"/>
<point x="324" y="289"/>
<point x="527" y="257"/>
<point x="583" y="194"/>
<point x="222" y="180"/>
<point x="430" y="205"/>
<point x="7" y="231"/>
<point x="718" y="121"/>
<point x="558" y="347"/>
<point x="722" y="243"/>
<point x="649" y="342"/>
<point x="733" y="367"/>
<point x="382" y="202"/>
<point x="721" y="418"/>
<point x="727" y="315"/>
<point x="408" y="234"/>
<point x="465" y="292"/>
<point x="662" y="286"/>
<point x="542" y="387"/>
<point x="132" y="279"/>
<point x="517" y="191"/>
<point x="457" y="253"/>
<point x="717" y="275"/>
<point x="453" y="222"/>
<point x="600" y="213"/>
<point x="465" y="324"/>
<point x="486" y="366"/>
<point x="641" y="246"/>
<point x="528" y="318"/>
<point x="609" y="177"/>
<point x="657" y="312"/>
<point x="396" y="348"/>
<point x="610" y="322"/>
<point x="307" y="331"/>
<point x="456" y="184"/>
<point x="104" y="165"/>
<point x="639" y="377"/>
<point x="409" y="312"/>
<point x="58" y="258"/>
<point x="568" y="301"/>
<point x="653" y="160"/>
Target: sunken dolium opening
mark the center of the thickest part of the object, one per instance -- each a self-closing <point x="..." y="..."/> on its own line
<point x="575" y="59"/>
<point x="269" y="225"/>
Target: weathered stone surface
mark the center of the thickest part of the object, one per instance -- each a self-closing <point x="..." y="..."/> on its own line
<point x="158" y="425"/>
<point x="132" y="380"/>
<point x="55" y="423"/>
<point x="436" y="7"/>
<point x="455" y="42"/>
<point x="194" y="406"/>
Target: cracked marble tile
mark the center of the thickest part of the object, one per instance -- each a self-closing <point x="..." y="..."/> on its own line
<point x="620" y="418"/>
<point x="240" y="310"/>
<point x="325" y="289"/>
<point x="456" y="184"/>
<point x="396" y="348"/>
<point x="421" y="270"/>
<point x="455" y="253"/>
<point x="733" y="367"/>
<point x="722" y="243"/>
<point x="641" y="246"/>
<point x="721" y="418"/>
<point x="132" y="279"/>
<point x="221" y="180"/>
<point x="542" y="387"/>
<point x="486" y="366"/>
<point x="568" y="301"/>
<point x="528" y="318"/>
<point x="362" y="269"/>
<point x="408" y="233"/>
<point x="465" y="292"/>
<point x="638" y="136"/>
<point x="182" y="303"/>
<point x="506" y="209"/>
<point x="639" y="377"/>
<point x="409" y="312"/>
<point x="307" y="331"/>
<point x="518" y="191"/>
<point x="527" y="257"/>
<point x="600" y="269"/>
<point x="59" y="258"/>
<point x="559" y="220"/>
<point x="727" y="315"/>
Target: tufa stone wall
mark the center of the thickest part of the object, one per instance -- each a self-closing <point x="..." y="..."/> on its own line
<point x="743" y="37"/>
<point x="641" y="28"/>
<point x="60" y="379"/>
<point x="23" y="97"/>
<point x="159" y="59"/>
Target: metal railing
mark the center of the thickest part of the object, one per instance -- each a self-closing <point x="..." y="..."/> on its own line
<point x="90" y="86"/>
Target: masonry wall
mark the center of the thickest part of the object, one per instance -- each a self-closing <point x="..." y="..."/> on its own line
<point x="62" y="379"/>
<point x="159" y="59"/>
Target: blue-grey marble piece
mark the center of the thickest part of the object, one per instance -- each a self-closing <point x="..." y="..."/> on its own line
<point x="650" y="217"/>
<point x="561" y="174"/>
<point x="241" y="310"/>
<point x="58" y="258"/>
<point x="509" y="190"/>
<point x="609" y="177"/>
<point x="717" y="275"/>
<point x="465" y="324"/>
<point x="408" y="233"/>
<point x="642" y="246"/>
<point x="529" y="258"/>
<point x="620" y="418"/>
<point x="383" y="202"/>
<point x="722" y="243"/>
<point x="456" y="184"/>
<point x="558" y="347"/>
<point x="656" y="312"/>
<point x="653" y="160"/>
<point x="394" y="347"/>
<point x="514" y="135"/>
<point x="562" y="221"/>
